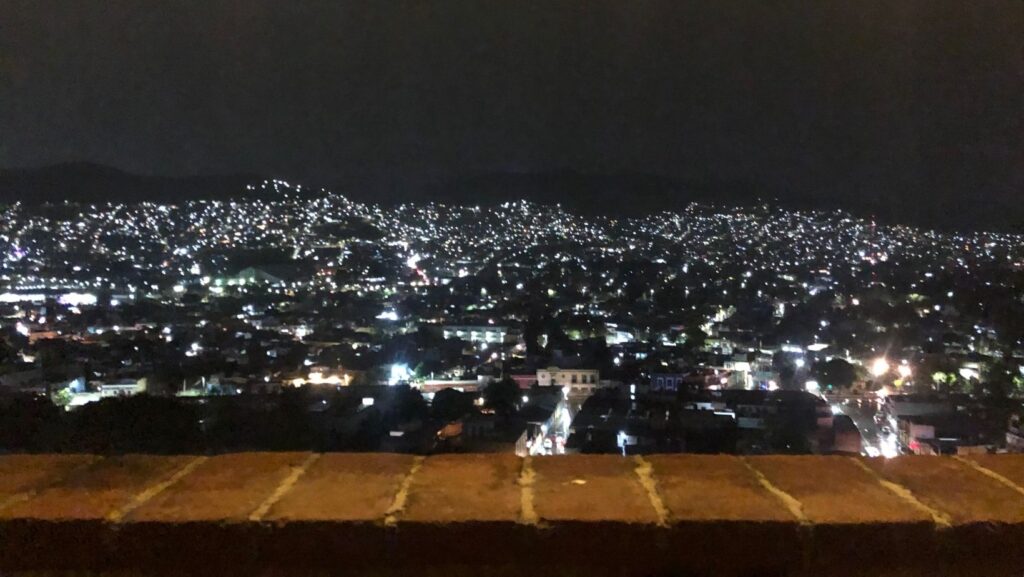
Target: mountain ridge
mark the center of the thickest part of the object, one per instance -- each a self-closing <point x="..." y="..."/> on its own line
<point x="87" y="182"/>
<point x="622" y="193"/>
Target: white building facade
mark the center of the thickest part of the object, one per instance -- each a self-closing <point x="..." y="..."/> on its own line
<point x="489" y="334"/>
<point x="579" y="382"/>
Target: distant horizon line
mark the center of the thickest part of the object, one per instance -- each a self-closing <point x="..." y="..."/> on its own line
<point x="582" y="192"/>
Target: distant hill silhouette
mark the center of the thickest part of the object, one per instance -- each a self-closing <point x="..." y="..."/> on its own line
<point x="626" y="194"/>
<point x="634" y="194"/>
<point x="616" y="194"/>
<point x="92" y="183"/>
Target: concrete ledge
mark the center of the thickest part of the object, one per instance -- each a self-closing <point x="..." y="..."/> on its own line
<point x="380" y="514"/>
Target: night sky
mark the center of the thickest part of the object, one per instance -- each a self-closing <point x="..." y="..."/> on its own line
<point x="916" y="100"/>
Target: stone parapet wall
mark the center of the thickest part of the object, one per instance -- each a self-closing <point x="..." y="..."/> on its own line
<point x="494" y="514"/>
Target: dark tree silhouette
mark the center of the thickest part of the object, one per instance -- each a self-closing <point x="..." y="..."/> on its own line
<point x="406" y="404"/>
<point x="141" y="424"/>
<point x="31" y="424"/>
<point x="835" y="373"/>
<point x="502" y="396"/>
<point x="449" y="404"/>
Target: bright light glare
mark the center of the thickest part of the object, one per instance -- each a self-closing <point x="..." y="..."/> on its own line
<point x="77" y="299"/>
<point x="399" y="373"/>
<point x="879" y="367"/>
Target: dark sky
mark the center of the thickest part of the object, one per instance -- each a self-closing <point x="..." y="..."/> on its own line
<point x="915" y="99"/>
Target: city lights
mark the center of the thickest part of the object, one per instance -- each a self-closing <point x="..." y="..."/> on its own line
<point x="720" y="299"/>
<point x="629" y="288"/>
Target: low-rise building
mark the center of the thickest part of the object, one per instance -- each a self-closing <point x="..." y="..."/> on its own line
<point x="579" y="382"/>
<point x="490" y="334"/>
<point x="940" y="435"/>
<point x="122" y="388"/>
